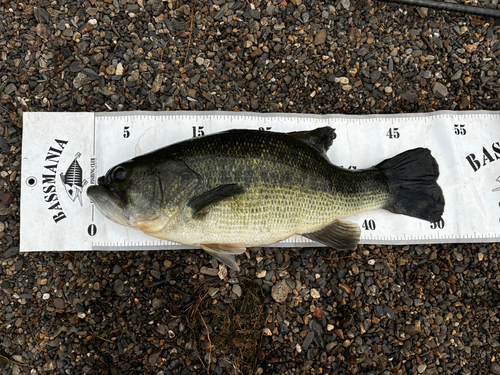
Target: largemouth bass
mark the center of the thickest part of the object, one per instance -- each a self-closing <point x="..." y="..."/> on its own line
<point x="228" y="191"/>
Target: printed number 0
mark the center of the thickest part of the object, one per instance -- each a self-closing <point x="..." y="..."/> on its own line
<point x="92" y="230"/>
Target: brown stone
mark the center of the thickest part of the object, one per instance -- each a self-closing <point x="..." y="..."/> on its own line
<point x="320" y="37"/>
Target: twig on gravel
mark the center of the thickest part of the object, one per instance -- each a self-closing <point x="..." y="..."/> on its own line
<point x="209" y="343"/>
<point x="451" y="7"/>
<point x="7" y="360"/>
<point x="427" y="42"/>
<point x="190" y="35"/>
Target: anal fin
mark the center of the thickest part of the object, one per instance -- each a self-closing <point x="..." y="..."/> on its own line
<point x="224" y="253"/>
<point x="342" y="235"/>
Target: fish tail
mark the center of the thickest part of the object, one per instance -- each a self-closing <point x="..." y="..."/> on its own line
<point x="413" y="188"/>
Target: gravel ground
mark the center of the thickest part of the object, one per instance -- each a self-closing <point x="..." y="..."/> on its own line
<point x="378" y="310"/>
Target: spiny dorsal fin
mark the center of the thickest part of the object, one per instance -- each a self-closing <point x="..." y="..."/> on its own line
<point x="212" y="196"/>
<point x="341" y="235"/>
<point x="321" y="138"/>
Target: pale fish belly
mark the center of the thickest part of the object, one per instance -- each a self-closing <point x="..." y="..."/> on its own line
<point x="262" y="216"/>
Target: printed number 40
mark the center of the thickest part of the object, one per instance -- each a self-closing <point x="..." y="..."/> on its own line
<point x="368" y="225"/>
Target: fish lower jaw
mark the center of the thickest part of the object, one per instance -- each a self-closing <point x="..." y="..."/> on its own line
<point x="152" y="227"/>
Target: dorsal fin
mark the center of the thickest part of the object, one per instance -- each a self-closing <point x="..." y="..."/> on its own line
<point x="321" y="138"/>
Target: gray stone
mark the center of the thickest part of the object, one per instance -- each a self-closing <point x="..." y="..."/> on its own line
<point x="153" y="357"/>
<point x="10" y="252"/>
<point x="118" y="287"/>
<point x="157" y="83"/>
<point x="43" y="31"/>
<point x="59" y="303"/>
<point x="330" y="77"/>
<point x="9" y="89"/>
<point x="209" y="271"/>
<point x="237" y="290"/>
<point x="410" y="95"/>
<point x="221" y="12"/>
<point x="41" y="14"/>
<point x="495" y="368"/>
<point x="440" y="90"/>
<point x="375" y="76"/>
<point x="62" y="25"/>
<point x="456" y="76"/>
<point x="81" y="80"/>
<point x="345" y="3"/>
<point x="280" y="291"/>
<point x="308" y="340"/>
<point x="254" y="13"/>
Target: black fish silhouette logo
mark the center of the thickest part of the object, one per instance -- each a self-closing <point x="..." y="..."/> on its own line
<point x="72" y="180"/>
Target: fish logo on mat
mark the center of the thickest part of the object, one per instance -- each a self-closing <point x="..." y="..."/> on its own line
<point x="497" y="188"/>
<point x="72" y="180"/>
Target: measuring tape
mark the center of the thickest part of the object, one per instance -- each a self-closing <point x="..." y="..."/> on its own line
<point x="64" y="153"/>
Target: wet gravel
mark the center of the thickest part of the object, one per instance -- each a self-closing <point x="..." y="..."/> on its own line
<point x="377" y="310"/>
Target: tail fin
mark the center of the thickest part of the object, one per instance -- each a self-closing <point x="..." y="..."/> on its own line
<point x="412" y="179"/>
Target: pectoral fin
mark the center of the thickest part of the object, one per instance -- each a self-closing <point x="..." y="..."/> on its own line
<point x="224" y="253"/>
<point x="342" y="235"/>
<point x="201" y="202"/>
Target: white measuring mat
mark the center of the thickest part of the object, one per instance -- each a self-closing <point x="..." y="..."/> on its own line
<point x="65" y="153"/>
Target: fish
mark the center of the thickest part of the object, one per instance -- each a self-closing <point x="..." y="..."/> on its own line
<point x="240" y="188"/>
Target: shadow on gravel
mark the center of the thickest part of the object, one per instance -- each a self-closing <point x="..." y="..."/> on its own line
<point x="232" y="332"/>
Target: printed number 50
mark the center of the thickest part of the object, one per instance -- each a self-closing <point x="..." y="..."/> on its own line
<point x="438" y="224"/>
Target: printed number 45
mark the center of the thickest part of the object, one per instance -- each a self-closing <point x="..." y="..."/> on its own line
<point x="393" y="133"/>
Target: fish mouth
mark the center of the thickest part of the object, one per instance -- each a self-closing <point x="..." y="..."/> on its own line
<point x="102" y="183"/>
<point x="108" y="202"/>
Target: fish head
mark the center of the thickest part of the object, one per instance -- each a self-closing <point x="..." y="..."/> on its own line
<point x="131" y="194"/>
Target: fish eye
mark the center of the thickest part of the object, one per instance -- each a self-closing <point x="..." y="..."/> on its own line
<point x="119" y="173"/>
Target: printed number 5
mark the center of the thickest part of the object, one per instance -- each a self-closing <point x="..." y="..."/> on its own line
<point x="126" y="132"/>
<point x="460" y="129"/>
